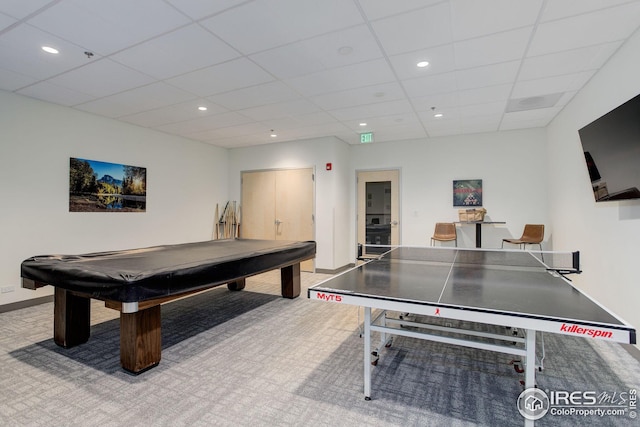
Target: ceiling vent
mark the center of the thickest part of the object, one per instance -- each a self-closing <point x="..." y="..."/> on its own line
<point x="533" y="102"/>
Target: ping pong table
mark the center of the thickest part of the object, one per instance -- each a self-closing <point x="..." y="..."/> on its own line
<point x="518" y="290"/>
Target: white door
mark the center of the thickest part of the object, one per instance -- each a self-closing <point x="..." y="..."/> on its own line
<point x="378" y="220"/>
<point x="278" y="205"/>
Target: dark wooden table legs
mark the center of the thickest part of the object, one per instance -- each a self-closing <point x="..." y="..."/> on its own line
<point x="140" y="332"/>
<point x="140" y="339"/>
<point x="71" y="318"/>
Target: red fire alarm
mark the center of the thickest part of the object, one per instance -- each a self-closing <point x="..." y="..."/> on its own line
<point x="328" y="166"/>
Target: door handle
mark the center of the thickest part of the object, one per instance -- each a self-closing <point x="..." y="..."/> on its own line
<point x="278" y="222"/>
<point x="394" y="223"/>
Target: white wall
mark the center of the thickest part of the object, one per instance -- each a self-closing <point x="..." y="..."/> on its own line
<point x="332" y="192"/>
<point x="512" y="192"/>
<point x="184" y="181"/>
<point x="607" y="234"/>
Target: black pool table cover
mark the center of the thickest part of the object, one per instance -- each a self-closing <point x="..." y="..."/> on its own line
<point x="141" y="274"/>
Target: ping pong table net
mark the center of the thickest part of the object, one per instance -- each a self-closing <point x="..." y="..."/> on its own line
<point x="554" y="261"/>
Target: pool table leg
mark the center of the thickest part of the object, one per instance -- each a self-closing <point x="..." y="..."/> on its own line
<point x="237" y="285"/>
<point x="71" y="318"/>
<point x="290" y="281"/>
<point x="140" y="339"/>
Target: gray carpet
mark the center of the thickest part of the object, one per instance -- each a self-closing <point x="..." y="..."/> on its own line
<point x="254" y="358"/>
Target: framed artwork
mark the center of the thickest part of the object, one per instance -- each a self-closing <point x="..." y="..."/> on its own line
<point x="96" y="186"/>
<point x="467" y="192"/>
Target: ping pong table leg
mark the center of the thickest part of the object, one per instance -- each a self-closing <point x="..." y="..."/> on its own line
<point x="367" y="353"/>
<point x="530" y="362"/>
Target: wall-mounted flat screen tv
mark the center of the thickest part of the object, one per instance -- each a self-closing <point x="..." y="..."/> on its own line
<point x="611" y="146"/>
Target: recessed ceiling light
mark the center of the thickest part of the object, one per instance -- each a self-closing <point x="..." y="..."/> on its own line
<point x="273" y="134"/>
<point x="363" y="124"/>
<point x="50" y="49"/>
<point x="438" y="115"/>
<point x="202" y="108"/>
<point x="422" y="64"/>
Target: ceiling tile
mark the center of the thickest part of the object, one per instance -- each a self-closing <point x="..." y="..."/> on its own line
<point x="493" y="49"/>
<point x="479" y="110"/>
<point x="20" y="9"/>
<point x="430" y="85"/>
<point x="379" y="123"/>
<point x="140" y="99"/>
<point x="50" y="92"/>
<point x="281" y="109"/>
<point x="261" y="25"/>
<point x="20" y="50"/>
<point x="604" y="26"/>
<point x="441" y="59"/>
<point x="330" y="50"/>
<point x="376" y="9"/>
<point x="198" y="9"/>
<point x="528" y="119"/>
<point x="359" y="96"/>
<point x="303" y="120"/>
<point x="472" y="18"/>
<point x="201" y="124"/>
<point x="254" y="96"/>
<point x="486" y="94"/>
<point x="126" y="22"/>
<point x="230" y="132"/>
<point x="225" y="77"/>
<point x="431" y="103"/>
<point x="102" y="77"/>
<point x="554" y="10"/>
<point x="399" y="133"/>
<point x="5" y="21"/>
<point x="420" y="29"/>
<point x="177" y="52"/>
<point x="567" y="62"/>
<point x="489" y="75"/>
<point x="10" y="80"/>
<point x="372" y="110"/>
<point x="567" y="82"/>
<point x="173" y="113"/>
<point x="347" y="77"/>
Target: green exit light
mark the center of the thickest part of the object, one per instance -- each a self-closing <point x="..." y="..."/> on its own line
<point x="366" y="137"/>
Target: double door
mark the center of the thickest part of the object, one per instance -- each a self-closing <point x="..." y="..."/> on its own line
<point x="278" y="205"/>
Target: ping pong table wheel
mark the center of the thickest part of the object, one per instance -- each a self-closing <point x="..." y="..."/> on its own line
<point x="516" y="365"/>
<point x="367" y="398"/>
<point x="374" y="358"/>
<point x="389" y="342"/>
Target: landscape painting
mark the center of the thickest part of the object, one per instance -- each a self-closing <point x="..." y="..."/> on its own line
<point x="96" y="186"/>
<point x="467" y="192"/>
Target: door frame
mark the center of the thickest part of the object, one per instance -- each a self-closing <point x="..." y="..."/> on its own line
<point x="396" y="214"/>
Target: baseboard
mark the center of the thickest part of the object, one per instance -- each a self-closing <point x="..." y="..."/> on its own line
<point x="26" y="303"/>
<point x="336" y="271"/>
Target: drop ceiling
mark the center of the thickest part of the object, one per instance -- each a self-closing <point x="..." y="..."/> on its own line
<point x="301" y="69"/>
